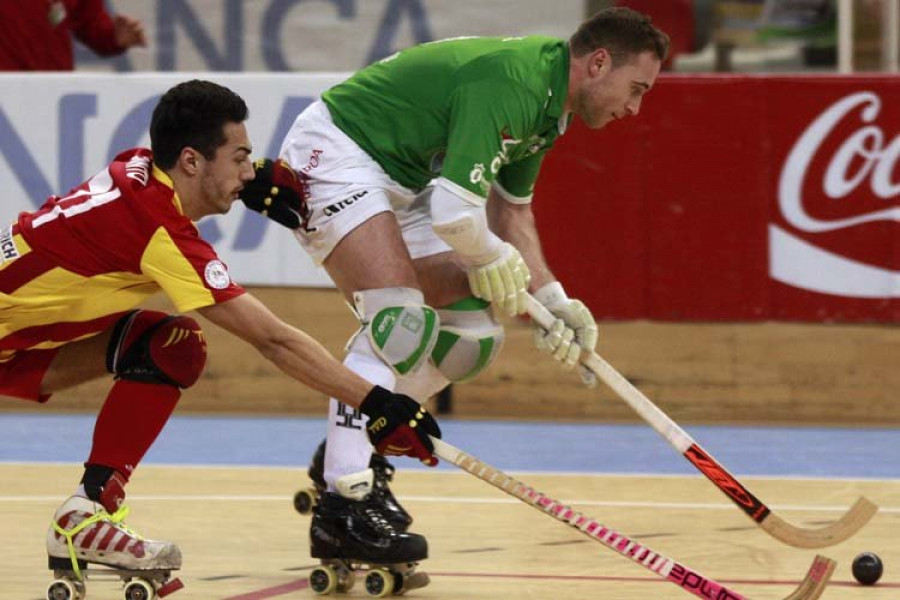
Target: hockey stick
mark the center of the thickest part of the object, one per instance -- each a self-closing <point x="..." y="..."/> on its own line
<point x="691" y="581"/>
<point x="799" y="537"/>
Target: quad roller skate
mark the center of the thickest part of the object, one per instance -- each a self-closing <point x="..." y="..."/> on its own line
<point x="381" y="495"/>
<point x="349" y="533"/>
<point x="85" y="542"/>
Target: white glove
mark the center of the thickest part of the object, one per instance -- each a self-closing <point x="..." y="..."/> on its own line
<point x="503" y="281"/>
<point x="573" y="332"/>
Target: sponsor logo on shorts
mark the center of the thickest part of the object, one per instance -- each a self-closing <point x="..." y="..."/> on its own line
<point x="313" y="161"/>
<point x="216" y="275"/>
<point x="333" y="209"/>
<point x="8" y="250"/>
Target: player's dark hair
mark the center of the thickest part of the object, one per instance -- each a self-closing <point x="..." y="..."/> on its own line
<point x="193" y="114"/>
<point x="623" y="32"/>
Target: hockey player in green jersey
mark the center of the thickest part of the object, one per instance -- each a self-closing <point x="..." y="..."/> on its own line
<point x="420" y="170"/>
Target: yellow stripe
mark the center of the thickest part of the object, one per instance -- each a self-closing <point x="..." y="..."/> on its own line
<point x="163" y="261"/>
<point x="164" y="178"/>
<point x="22" y="248"/>
<point x="63" y="296"/>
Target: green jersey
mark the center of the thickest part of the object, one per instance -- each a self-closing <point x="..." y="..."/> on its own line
<point x="472" y="110"/>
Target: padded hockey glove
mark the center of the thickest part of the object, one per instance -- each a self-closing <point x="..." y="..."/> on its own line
<point x="573" y="332"/>
<point x="502" y="281"/>
<point x="277" y="193"/>
<point x="399" y="426"/>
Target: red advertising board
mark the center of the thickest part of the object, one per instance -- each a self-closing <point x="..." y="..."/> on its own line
<point x="733" y="198"/>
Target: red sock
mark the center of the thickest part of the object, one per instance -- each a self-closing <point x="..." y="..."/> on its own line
<point x="129" y="422"/>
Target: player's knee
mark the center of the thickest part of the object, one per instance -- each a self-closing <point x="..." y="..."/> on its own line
<point x="153" y="347"/>
<point x="469" y="339"/>
<point x="400" y="328"/>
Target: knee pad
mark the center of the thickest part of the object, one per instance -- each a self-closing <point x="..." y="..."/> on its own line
<point x="153" y="347"/>
<point x="468" y="340"/>
<point x="400" y="328"/>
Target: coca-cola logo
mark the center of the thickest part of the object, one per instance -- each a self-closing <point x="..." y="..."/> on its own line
<point x="863" y="163"/>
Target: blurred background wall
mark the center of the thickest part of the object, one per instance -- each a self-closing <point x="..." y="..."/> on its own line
<point x="739" y="240"/>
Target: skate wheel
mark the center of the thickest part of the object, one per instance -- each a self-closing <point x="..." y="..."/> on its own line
<point x="379" y="583"/>
<point x="323" y="580"/>
<point x="139" y="589"/>
<point x="65" y="589"/>
<point x="346" y="579"/>
<point x="305" y="500"/>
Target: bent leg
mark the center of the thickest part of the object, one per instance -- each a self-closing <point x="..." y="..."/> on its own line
<point x="152" y="356"/>
<point x="371" y="258"/>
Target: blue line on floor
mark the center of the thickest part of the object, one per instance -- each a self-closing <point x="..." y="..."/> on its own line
<point x="515" y="446"/>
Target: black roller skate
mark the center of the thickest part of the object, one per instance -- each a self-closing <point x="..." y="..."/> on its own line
<point x="381" y="494"/>
<point x="349" y="533"/>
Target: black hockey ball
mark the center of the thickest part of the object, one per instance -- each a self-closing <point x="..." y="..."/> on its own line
<point x="867" y="568"/>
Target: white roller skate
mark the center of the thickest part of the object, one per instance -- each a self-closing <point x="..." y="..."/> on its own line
<point x="84" y="533"/>
<point x="348" y="533"/>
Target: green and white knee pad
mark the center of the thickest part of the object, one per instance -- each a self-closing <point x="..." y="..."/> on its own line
<point x="461" y="339"/>
<point x="401" y="329"/>
<point x="468" y="340"/>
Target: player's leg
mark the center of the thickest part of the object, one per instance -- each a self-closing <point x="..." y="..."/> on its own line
<point x="152" y="356"/>
<point x="469" y="337"/>
<point x="351" y="521"/>
<point x="354" y="234"/>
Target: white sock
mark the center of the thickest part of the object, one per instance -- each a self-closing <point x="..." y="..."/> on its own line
<point x="348" y="449"/>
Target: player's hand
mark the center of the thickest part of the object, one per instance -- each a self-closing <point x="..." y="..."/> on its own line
<point x="400" y="426"/>
<point x="573" y="333"/>
<point x="128" y="32"/>
<point x="503" y="281"/>
<point x="276" y="192"/>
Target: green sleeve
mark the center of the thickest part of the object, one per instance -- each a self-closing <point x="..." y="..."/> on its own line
<point x="518" y="178"/>
<point x="488" y="120"/>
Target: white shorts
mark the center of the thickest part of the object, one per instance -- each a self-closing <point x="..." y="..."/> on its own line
<point x="347" y="188"/>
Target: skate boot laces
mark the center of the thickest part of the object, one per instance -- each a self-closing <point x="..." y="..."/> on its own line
<point x="115" y="520"/>
<point x="372" y="515"/>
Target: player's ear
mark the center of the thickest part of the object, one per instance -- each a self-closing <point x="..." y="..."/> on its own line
<point x="599" y="62"/>
<point x="189" y="160"/>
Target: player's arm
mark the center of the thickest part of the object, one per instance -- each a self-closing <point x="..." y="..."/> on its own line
<point x="397" y="424"/>
<point x="513" y="220"/>
<point x="291" y="350"/>
<point x="101" y="32"/>
<point x="488" y="118"/>
<point x="495" y="268"/>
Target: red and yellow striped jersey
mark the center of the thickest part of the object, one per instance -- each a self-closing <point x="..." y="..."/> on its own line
<point x="68" y="270"/>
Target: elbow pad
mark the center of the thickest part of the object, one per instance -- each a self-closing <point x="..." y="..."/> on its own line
<point x="459" y="218"/>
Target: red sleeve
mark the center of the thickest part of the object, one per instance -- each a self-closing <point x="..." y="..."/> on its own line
<point x="93" y="26"/>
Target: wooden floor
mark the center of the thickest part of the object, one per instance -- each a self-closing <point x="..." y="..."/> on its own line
<point x="241" y="538"/>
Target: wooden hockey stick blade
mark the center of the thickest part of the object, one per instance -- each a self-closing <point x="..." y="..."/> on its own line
<point x="691" y="581"/>
<point x="851" y="522"/>
<point x="800" y="537"/>
<point x="835" y="533"/>
<point x="816" y="579"/>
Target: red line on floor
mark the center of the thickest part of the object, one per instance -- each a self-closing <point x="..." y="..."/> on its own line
<point x="278" y="590"/>
<point x="301" y="584"/>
